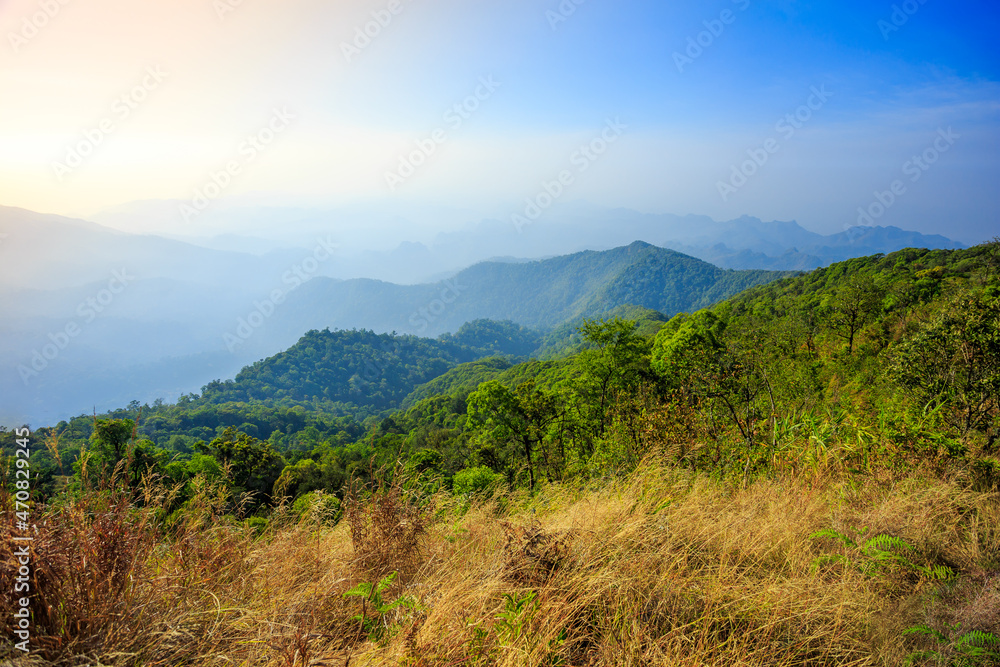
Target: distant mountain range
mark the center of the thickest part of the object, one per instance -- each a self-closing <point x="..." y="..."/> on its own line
<point x="421" y="254"/>
<point x="540" y="294"/>
<point x="744" y="243"/>
<point x="96" y="317"/>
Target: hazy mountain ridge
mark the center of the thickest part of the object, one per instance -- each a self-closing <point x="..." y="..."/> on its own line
<point x="170" y="316"/>
<point x="424" y="256"/>
<point x="744" y="243"/>
<point x="540" y="294"/>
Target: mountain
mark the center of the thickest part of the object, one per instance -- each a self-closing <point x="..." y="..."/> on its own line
<point x="343" y="370"/>
<point x="161" y="337"/>
<point x="751" y="243"/>
<point x="744" y="243"/>
<point x="49" y="252"/>
<point x="540" y="294"/>
<point x="95" y="317"/>
<point x="414" y="243"/>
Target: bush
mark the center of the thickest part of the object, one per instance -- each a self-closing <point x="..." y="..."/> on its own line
<point x="474" y="480"/>
<point x="256" y="525"/>
<point x="387" y="525"/>
<point x="318" y="507"/>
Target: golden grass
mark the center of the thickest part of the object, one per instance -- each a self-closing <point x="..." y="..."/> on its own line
<point x="666" y="567"/>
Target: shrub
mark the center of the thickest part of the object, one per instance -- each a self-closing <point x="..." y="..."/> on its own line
<point x="318" y="508"/>
<point x="475" y="480"/>
<point x="386" y="525"/>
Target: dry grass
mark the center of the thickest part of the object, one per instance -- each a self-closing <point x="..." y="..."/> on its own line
<point x="387" y="526"/>
<point x="665" y="568"/>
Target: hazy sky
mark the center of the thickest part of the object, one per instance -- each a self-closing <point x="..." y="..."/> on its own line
<point x="103" y="102"/>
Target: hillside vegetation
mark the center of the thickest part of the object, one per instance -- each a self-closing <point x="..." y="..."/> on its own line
<point x="538" y="294"/>
<point x="804" y="474"/>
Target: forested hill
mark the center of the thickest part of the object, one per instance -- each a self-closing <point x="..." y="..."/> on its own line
<point x="903" y="348"/>
<point x="540" y="294"/>
<point x="359" y="372"/>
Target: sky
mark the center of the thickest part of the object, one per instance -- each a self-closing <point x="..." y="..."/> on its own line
<point x="829" y="113"/>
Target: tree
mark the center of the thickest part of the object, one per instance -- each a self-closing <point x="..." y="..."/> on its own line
<point x="990" y="259"/>
<point x="109" y="444"/>
<point x="253" y="465"/>
<point x="113" y="442"/>
<point x="519" y="418"/>
<point x="854" y="306"/>
<point x="111" y="438"/>
<point x="721" y="370"/>
<point x="954" y="361"/>
<point x="684" y="340"/>
<point x="616" y="365"/>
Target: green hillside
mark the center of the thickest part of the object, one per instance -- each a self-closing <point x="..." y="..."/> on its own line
<point x="822" y="443"/>
<point x="462" y="379"/>
<point x="825" y="342"/>
<point x="548" y="293"/>
<point x="539" y="294"/>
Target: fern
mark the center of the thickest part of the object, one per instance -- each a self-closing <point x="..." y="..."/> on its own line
<point x="971" y="649"/>
<point x="926" y="630"/>
<point x="371" y="621"/>
<point x="832" y="534"/>
<point x="876" y="554"/>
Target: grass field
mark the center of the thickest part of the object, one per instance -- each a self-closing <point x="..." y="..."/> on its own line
<point x="664" y="567"/>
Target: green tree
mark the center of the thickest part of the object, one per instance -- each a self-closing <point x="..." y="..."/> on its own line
<point x="722" y="371"/>
<point x="615" y="365"/>
<point x="109" y="444"/>
<point x="111" y="438"/>
<point x="853" y="306"/>
<point x="954" y="361"/>
<point x="519" y="419"/>
<point x="253" y="465"/>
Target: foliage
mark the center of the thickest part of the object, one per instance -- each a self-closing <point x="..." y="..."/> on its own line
<point x="956" y="649"/>
<point x="953" y="361"/>
<point x="474" y="480"/>
<point x="853" y="305"/>
<point x="518" y="612"/>
<point x="374" y="608"/>
<point x="514" y="425"/>
<point x="252" y="465"/>
<point x="318" y="508"/>
<point x="877" y="555"/>
<point x="460" y="380"/>
<point x="504" y="338"/>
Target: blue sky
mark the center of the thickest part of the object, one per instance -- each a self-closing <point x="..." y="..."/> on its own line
<point x="890" y="93"/>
